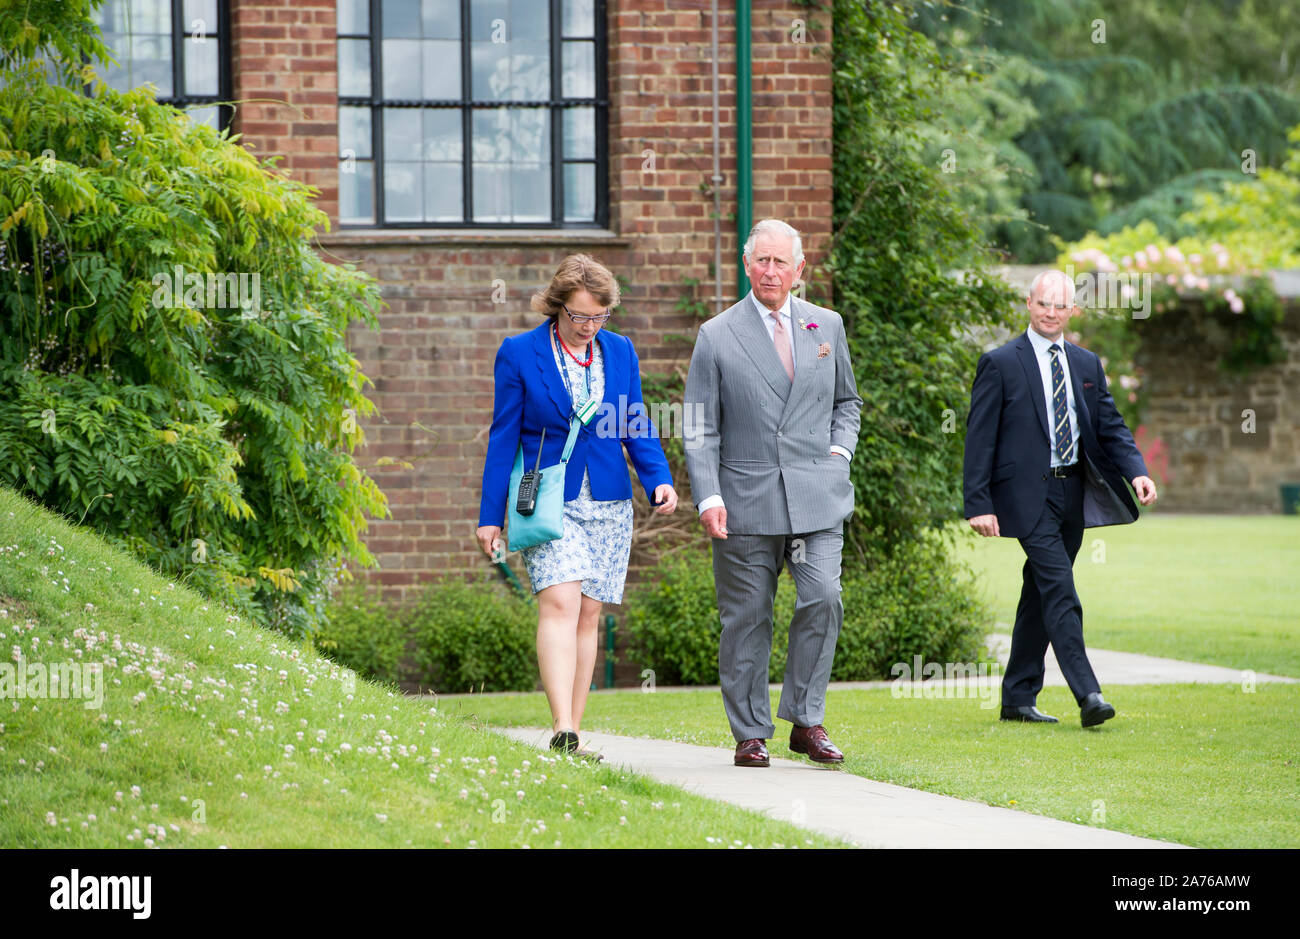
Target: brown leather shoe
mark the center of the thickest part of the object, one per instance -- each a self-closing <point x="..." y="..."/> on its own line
<point x="751" y="753"/>
<point x="814" y="742"/>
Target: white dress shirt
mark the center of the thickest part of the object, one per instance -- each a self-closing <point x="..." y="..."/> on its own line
<point x="766" y="315"/>
<point x="1042" y="352"/>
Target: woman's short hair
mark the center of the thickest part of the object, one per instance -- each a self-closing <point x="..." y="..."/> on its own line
<point x="577" y="272"/>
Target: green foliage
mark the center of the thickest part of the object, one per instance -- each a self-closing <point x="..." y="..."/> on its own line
<point x="919" y="602"/>
<point x="900" y="237"/>
<point x="1209" y="288"/>
<point x="210" y="434"/>
<point x="455" y="637"/>
<point x="479" y="637"/>
<point x="365" y="635"/>
<point x="59" y="33"/>
<point x="1130" y="109"/>
<point x="673" y="627"/>
<point x="915" y="603"/>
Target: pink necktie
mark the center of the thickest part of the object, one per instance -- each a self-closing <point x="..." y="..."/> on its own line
<point x="782" y="340"/>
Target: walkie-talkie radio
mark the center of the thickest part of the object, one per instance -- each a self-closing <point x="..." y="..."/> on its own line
<point x="530" y="483"/>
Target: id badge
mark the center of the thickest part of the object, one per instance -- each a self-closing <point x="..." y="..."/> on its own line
<point x="588" y="410"/>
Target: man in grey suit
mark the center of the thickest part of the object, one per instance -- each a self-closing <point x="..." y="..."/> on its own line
<point x="777" y="412"/>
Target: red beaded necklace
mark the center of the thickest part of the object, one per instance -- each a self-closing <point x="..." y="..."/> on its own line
<point x="591" y="352"/>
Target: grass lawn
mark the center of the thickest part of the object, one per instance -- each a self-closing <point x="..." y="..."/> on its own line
<point x="215" y="732"/>
<point x="1218" y="589"/>
<point x="1204" y="765"/>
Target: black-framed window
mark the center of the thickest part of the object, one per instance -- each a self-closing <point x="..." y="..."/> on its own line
<point x="181" y="46"/>
<point x="472" y="113"/>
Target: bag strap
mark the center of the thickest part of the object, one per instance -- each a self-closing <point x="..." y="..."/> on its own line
<point x="574" y="426"/>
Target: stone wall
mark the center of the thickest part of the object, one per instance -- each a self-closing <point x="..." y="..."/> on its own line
<point x="1230" y="440"/>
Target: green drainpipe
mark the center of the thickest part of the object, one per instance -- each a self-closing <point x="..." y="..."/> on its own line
<point x="510" y="577"/>
<point x="744" y="141"/>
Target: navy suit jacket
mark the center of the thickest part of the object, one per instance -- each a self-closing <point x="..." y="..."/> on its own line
<point x="1009" y="449"/>
<point x="530" y="394"/>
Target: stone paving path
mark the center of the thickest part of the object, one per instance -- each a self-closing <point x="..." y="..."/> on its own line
<point x="874" y="814"/>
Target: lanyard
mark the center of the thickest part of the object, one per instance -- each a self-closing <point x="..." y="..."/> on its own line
<point x="564" y="368"/>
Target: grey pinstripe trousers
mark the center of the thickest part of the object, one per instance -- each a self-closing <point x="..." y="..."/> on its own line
<point x="745" y="571"/>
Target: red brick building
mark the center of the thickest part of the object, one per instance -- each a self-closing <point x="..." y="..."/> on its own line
<point x="463" y="147"/>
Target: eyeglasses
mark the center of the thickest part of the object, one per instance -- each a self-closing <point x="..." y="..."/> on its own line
<point x="581" y="318"/>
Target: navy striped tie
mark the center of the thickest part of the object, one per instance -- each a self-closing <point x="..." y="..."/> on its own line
<point x="1060" y="409"/>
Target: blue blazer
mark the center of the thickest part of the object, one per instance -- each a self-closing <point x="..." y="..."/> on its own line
<point x="530" y="394"/>
<point x="1009" y="451"/>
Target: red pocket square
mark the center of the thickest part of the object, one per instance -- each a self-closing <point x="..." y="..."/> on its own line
<point x="1088" y="384"/>
<point x="823" y="350"/>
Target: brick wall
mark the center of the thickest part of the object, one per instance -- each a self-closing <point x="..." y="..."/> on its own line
<point x="432" y="360"/>
<point x="285" y="80"/>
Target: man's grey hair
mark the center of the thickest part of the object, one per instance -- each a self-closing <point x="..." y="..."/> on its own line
<point x="774" y="226"/>
<point x="1051" y="274"/>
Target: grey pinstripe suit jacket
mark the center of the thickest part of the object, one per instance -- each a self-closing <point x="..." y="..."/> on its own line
<point x="762" y="442"/>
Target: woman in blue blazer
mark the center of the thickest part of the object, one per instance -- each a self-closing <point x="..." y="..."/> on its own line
<point x="541" y="378"/>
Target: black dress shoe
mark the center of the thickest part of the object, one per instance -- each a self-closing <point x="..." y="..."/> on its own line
<point x="1094" y="710"/>
<point x="566" y="741"/>
<point x="1026" y="712"/>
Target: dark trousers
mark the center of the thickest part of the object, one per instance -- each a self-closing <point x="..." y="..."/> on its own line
<point x="1049" y="609"/>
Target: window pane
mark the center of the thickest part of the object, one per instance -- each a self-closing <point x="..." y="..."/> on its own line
<point x="402" y="69"/>
<point x="403" y="140"/>
<point x="579" y="192"/>
<point x="202" y="11"/>
<point x="488" y="19"/>
<point x="509" y="21"/>
<point x="401" y="18"/>
<point x="403" y="191"/>
<point x="357" y="193"/>
<point x="210" y="115"/>
<point x="443" y="135"/>
<point x="354" y="67"/>
<point x="149" y="16"/>
<point x="112" y="16"/>
<point x="512" y="177"/>
<point x="441" y="19"/>
<point x="118" y="76"/>
<point x="511" y="71"/>
<point x="201" y="58"/>
<point x="578" y="18"/>
<point x="579" y="74"/>
<point x="151" y="61"/>
<point x="441" y="69"/>
<point x="579" y="133"/>
<point x="443" y="193"/>
<point x="354" y="132"/>
<point x="354" y="16"/>
<point x="530" y="192"/>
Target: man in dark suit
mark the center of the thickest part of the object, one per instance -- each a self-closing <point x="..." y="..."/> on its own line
<point x="1047" y="455"/>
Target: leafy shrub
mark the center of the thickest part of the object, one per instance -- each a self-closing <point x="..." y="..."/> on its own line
<point x="478" y="636"/>
<point x="210" y="434"/>
<point x="454" y="637"/>
<point x="365" y="635"/>
<point x="673" y="627"/>
<point x="916" y="602"/>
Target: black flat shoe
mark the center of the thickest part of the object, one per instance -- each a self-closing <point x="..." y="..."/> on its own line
<point x="1094" y="710"/>
<point x="566" y="741"/>
<point x="1027" y="713"/>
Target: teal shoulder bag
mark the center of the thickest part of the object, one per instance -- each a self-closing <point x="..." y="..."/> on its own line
<point x="547" y="521"/>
